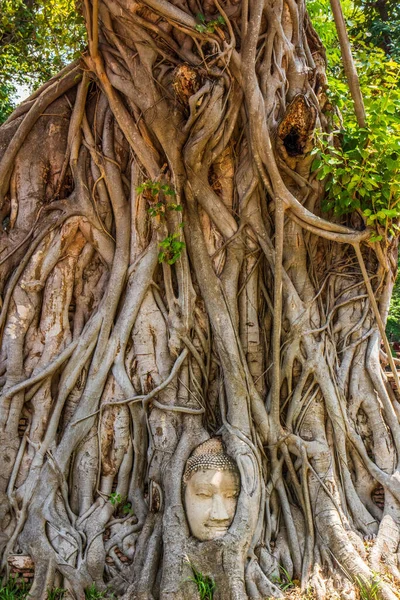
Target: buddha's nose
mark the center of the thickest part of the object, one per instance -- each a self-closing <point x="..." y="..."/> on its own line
<point x="219" y="511"/>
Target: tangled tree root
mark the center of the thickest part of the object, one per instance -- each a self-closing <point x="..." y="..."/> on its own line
<point x="166" y="276"/>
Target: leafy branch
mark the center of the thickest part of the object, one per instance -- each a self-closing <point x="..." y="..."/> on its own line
<point x="152" y="191"/>
<point x="159" y="209"/>
<point x="116" y="499"/>
<point x="361" y="166"/>
<point x="154" y="188"/>
<point x="208" y="26"/>
<point x="171" y="248"/>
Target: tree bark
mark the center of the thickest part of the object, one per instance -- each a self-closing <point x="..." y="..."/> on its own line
<point x="167" y="275"/>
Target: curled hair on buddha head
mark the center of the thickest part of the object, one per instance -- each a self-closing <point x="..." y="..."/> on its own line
<point x="209" y="455"/>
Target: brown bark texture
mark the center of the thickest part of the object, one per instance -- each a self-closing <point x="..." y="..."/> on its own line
<point x="167" y="275"/>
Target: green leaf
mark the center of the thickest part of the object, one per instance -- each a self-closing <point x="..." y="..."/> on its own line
<point x="375" y="238"/>
<point x="317" y="162"/>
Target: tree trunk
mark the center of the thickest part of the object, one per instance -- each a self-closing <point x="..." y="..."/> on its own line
<point x="167" y="277"/>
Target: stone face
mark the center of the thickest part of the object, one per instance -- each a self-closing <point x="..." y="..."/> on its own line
<point x="210" y="502"/>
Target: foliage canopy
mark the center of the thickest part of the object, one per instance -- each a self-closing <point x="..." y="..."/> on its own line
<point x="37" y="39"/>
<point x="361" y="165"/>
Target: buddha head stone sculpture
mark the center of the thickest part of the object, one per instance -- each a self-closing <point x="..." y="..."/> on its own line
<point x="211" y="488"/>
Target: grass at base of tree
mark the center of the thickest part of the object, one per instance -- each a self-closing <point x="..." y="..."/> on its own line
<point x="205" y="584"/>
<point x="18" y="589"/>
<point x="56" y="594"/>
<point x="14" y="589"/>
<point x="92" y="593"/>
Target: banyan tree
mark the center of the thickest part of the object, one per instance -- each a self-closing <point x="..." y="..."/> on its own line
<point x="168" y="276"/>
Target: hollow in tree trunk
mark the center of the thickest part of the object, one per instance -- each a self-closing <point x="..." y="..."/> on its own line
<point x="168" y="276"/>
